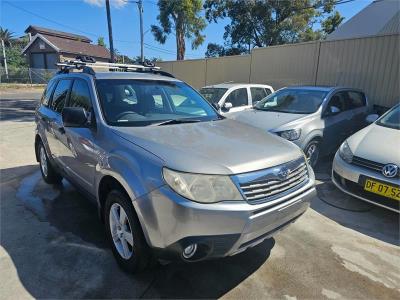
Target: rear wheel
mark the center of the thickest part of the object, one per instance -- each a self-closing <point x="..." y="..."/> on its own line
<point x="125" y="233"/>
<point x="312" y="152"/>
<point x="49" y="174"/>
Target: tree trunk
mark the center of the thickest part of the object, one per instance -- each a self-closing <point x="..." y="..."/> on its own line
<point x="180" y="42"/>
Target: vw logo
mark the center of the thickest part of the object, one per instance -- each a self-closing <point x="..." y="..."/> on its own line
<point x="390" y="170"/>
<point x="283" y="173"/>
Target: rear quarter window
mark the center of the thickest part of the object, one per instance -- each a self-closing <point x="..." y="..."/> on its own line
<point x="356" y="99"/>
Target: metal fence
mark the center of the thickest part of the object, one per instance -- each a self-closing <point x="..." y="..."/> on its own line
<point x="26" y="75"/>
<point x="370" y="63"/>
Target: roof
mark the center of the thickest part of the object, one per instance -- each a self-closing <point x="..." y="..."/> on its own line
<point x="63" y="45"/>
<point x="380" y="17"/>
<point x="230" y="85"/>
<point x="313" y="88"/>
<point x="46" y="31"/>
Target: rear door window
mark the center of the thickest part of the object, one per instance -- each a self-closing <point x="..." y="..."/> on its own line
<point x="356" y="99"/>
<point x="80" y="95"/>
<point x="60" y="95"/>
<point x="338" y="100"/>
<point x="238" y="97"/>
<point x="258" y="93"/>
<point x="47" y="92"/>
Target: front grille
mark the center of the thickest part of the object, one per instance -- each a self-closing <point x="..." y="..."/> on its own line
<point x="270" y="186"/>
<point x="369" y="164"/>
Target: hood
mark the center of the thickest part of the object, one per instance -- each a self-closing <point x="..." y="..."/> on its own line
<point x="267" y="120"/>
<point x="376" y="143"/>
<point x="216" y="147"/>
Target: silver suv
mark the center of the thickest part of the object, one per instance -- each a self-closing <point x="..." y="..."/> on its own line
<point x="171" y="177"/>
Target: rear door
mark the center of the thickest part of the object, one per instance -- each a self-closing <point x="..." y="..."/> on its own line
<point x="55" y="133"/>
<point x="257" y="93"/>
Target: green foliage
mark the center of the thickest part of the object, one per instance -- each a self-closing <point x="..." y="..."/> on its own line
<point x="100" y="41"/>
<point x="6" y="35"/>
<point x="181" y="18"/>
<point x="215" y="50"/>
<point x="14" y="57"/>
<point x="332" y="22"/>
<point x="260" y="23"/>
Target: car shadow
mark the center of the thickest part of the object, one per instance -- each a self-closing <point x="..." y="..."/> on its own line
<point x="351" y="212"/>
<point x="17" y="110"/>
<point x="59" y="249"/>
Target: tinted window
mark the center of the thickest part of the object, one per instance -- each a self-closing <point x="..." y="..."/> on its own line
<point x="290" y="100"/>
<point x="257" y="93"/>
<point x="80" y="95"/>
<point x="356" y="99"/>
<point x="47" y="92"/>
<point x="238" y="97"/>
<point x="60" y="95"/>
<point x="338" y="100"/>
<point x="155" y="102"/>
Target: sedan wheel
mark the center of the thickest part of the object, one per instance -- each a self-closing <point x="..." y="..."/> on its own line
<point x="312" y="153"/>
<point x="121" y="231"/>
<point x="43" y="161"/>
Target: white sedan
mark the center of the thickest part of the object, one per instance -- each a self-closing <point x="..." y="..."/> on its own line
<point x="235" y="97"/>
<point x="367" y="164"/>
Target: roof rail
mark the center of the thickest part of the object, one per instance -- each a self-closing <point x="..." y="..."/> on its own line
<point x="89" y="67"/>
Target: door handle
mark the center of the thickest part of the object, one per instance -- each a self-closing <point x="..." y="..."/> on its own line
<point x="61" y="130"/>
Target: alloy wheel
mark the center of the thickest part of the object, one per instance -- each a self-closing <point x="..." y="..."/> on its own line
<point x="121" y="231"/>
<point x="312" y="154"/>
<point x="43" y="161"/>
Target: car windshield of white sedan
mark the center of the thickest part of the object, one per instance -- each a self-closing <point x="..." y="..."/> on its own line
<point x="213" y="95"/>
<point x="295" y="101"/>
<point x="391" y="119"/>
<point x="129" y="102"/>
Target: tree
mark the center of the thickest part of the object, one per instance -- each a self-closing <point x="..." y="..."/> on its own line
<point x="100" y="41"/>
<point x="6" y="35"/>
<point x="260" y="23"/>
<point x="332" y="22"/>
<point x="215" y="50"/>
<point x="182" y="17"/>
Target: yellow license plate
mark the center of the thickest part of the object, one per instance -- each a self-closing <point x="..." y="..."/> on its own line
<point x="382" y="189"/>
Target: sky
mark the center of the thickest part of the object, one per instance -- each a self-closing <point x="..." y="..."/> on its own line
<point x="88" y="17"/>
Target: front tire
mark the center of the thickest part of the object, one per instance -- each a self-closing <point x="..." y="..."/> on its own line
<point x="312" y="152"/>
<point x="49" y="174"/>
<point x="125" y="233"/>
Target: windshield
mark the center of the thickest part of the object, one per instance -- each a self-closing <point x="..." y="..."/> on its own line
<point x="213" y="95"/>
<point x="391" y="119"/>
<point x="296" y="101"/>
<point x="129" y="102"/>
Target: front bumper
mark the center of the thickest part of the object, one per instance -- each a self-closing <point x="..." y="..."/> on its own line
<point x="349" y="179"/>
<point x="171" y="222"/>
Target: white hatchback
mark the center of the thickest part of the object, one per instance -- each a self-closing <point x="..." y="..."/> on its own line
<point x="234" y="97"/>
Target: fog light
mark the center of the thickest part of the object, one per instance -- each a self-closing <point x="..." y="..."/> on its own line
<point x="189" y="251"/>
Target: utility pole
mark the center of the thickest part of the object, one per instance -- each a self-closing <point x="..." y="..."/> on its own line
<point x="140" y="7"/>
<point x="110" y="36"/>
<point x="5" y="58"/>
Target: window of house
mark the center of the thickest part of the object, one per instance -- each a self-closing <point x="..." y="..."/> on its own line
<point x="238" y="97"/>
<point x="80" y="95"/>
<point x="60" y="95"/>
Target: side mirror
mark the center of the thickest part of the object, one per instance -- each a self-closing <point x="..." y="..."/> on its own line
<point x="227" y="106"/>
<point x="371" y="118"/>
<point x="334" y="110"/>
<point x="74" y="117"/>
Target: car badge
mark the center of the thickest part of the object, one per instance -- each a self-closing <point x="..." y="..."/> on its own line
<point x="390" y="170"/>
<point x="283" y="173"/>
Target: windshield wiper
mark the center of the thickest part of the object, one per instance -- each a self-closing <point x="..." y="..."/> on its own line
<point x="175" y="121"/>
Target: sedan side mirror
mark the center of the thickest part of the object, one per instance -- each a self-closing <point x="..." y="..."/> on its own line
<point x="371" y="118"/>
<point x="74" y="117"/>
<point x="334" y="110"/>
<point x="227" y="106"/>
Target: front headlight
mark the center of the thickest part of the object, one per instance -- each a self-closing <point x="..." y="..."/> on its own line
<point x="291" y="135"/>
<point x="345" y="152"/>
<point x="202" y="188"/>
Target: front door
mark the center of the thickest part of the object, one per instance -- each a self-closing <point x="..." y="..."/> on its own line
<point x="239" y="98"/>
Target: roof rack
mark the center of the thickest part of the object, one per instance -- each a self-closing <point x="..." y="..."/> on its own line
<point x="90" y="66"/>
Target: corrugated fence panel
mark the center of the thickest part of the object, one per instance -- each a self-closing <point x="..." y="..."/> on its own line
<point x="228" y="68"/>
<point x="285" y="65"/>
<point x="191" y="71"/>
<point x="371" y="64"/>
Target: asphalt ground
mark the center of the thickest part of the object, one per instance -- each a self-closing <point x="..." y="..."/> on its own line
<point x="53" y="245"/>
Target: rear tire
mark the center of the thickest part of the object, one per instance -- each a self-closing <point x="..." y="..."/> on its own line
<point x="49" y="174"/>
<point x="312" y="152"/>
<point x="125" y="233"/>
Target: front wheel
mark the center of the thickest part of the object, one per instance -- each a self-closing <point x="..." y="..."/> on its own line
<point x="312" y="152"/>
<point x="125" y="233"/>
